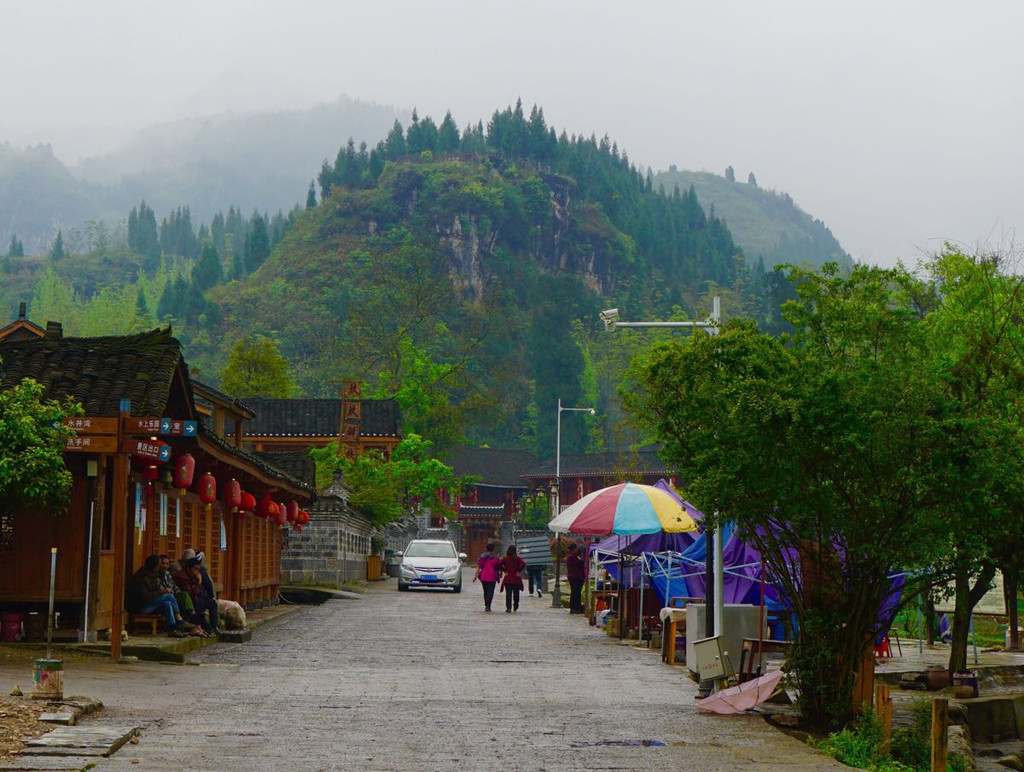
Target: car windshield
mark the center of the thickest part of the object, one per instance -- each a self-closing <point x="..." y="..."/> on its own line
<point x="437" y="549"/>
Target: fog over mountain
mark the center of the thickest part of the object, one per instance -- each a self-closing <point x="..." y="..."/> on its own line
<point x="896" y="125"/>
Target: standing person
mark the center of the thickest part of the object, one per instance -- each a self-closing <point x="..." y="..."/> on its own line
<point x="512" y="582"/>
<point x="487" y="572"/>
<point x="574" y="573"/>
<point x="535" y="574"/>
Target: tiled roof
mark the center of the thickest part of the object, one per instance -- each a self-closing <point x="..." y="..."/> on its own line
<point x="319" y="418"/>
<point x="500" y="468"/>
<point x="470" y="510"/>
<point x="98" y="372"/>
<point x="297" y="463"/>
<point x="202" y="390"/>
<point x="644" y="461"/>
<point x="260" y="462"/>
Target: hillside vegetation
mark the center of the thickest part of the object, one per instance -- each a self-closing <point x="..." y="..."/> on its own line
<point x="460" y="271"/>
<point x="767" y="224"/>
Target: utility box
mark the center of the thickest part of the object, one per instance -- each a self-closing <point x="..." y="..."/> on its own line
<point x="739" y="621"/>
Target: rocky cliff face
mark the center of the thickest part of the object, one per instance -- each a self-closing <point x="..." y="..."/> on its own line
<point x="584" y="247"/>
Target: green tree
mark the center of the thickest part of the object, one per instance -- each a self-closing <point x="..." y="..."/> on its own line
<point x="257" y="243"/>
<point x="976" y="339"/>
<point x="311" y="196"/>
<point x="208" y="271"/>
<point x="16" y="248"/>
<point x="448" y="135"/>
<point x="730" y="174"/>
<point x="386" y="489"/>
<point x="57" y="250"/>
<point x="32" y="439"/>
<point x="812" y="446"/>
<point x="256" y="369"/>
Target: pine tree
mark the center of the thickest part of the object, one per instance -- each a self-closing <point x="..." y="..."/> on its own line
<point x="16" y="249"/>
<point x="257" y="243"/>
<point x="394" y="143"/>
<point x="57" y="251"/>
<point x="311" y="196"/>
<point x="730" y="174"/>
<point x="448" y="135"/>
<point x="207" y="271"/>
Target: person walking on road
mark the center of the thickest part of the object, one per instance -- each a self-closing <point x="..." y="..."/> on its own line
<point x="535" y="573"/>
<point x="512" y="582"/>
<point x="574" y="573"/>
<point x="487" y="572"/>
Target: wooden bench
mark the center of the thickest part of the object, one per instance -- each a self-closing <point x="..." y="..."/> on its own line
<point x="755" y="648"/>
<point x="146" y="622"/>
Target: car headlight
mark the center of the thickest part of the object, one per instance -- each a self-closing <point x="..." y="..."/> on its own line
<point x="408" y="571"/>
<point x="451" y="570"/>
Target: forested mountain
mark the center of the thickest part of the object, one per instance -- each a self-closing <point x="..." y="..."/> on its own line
<point x="254" y="161"/>
<point x="460" y="271"/>
<point x="769" y="226"/>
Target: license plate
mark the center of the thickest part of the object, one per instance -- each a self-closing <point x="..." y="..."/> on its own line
<point x="428" y="578"/>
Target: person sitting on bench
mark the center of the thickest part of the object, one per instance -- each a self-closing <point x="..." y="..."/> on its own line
<point x="146" y="595"/>
<point x="196" y="582"/>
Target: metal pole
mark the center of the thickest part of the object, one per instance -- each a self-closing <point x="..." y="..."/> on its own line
<point x="49" y="618"/>
<point x="556" y="593"/>
<point x="709" y="583"/>
<point x="719" y="582"/>
<point x="88" y="569"/>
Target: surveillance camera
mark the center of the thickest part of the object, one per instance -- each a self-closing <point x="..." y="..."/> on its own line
<point x="609" y="317"/>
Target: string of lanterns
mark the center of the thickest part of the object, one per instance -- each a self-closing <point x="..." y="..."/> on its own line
<point x="237" y="502"/>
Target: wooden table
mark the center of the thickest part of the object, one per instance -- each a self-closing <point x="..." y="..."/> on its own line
<point x="673" y="623"/>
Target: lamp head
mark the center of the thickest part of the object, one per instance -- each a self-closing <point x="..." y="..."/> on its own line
<point x="593" y="412"/>
<point x="609" y="317"/>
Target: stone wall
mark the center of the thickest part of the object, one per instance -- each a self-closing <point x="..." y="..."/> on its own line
<point x="330" y="551"/>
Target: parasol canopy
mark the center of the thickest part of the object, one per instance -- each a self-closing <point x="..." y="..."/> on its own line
<point x="737" y="699"/>
<point x="624" y="508"/>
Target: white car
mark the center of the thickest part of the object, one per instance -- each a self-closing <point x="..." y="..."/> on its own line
<point x="430" y="563"/>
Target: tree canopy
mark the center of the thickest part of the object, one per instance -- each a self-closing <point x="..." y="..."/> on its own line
<point x="836" y="450"/>
<point x="32" y="438"/>
<point x="256" y="369"/>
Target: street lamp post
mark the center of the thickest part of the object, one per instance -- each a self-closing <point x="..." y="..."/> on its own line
<point x="556" y="595"/>
<point x="713" y="577"/>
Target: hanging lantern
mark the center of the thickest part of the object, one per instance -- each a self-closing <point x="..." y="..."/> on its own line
<point x="184" y="471"/>
<point x="150" y="474"/>
<point x="293" y="511"/>
<point x="233" y="496"/>
<point x="208" y="490"/>
<point x="303" y="517"/>
<point x="248" y="502"/>
<point x="282" y="516"/>
<point x="266" y="508"/>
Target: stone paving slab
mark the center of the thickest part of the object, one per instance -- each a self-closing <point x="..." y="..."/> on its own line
<point x="83" y="740"/>
<point x="48" y="763"/>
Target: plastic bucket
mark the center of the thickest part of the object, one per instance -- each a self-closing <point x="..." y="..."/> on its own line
<point x="10" y="627"/>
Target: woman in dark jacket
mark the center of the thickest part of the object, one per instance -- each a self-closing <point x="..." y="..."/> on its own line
<point x="512" y="581"/>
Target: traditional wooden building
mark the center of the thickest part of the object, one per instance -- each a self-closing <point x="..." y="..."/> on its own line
<point x="583" y="473"/>
<point x="21" y="328"/>
<point x="299" y="424"/>
<point x="140" y="419"/>
<point x="492" y="500"/>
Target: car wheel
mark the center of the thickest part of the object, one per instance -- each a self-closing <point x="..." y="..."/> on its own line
<point x="457" y="588"/>
<point x="403" y="587"/>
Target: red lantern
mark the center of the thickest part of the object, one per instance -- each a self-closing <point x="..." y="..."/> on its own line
<point x="282" y="514"/>
<point x="208" y="490"/>
<point x="293" y="511"/>
<point x="150" y="474"/>
<point x="184" y="471"/>
<point x="266" y="508"/>
<point x="233" y="496"/>
<point x="304" y="517"/>
<point x="248" y="502"/>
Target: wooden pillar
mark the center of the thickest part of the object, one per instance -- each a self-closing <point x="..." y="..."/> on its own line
<point x="864" y="684"/>
<point x="940" y="713"/>
<point x="119" y="542"/>
<point x="883" y="709"/>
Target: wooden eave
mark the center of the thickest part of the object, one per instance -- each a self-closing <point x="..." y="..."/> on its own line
<point x="232" y="459"/>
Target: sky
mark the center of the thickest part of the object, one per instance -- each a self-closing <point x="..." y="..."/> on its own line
<point x="898" y="124"/>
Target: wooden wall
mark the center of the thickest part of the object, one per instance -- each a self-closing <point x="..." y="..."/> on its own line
<point x="26" y="538"/>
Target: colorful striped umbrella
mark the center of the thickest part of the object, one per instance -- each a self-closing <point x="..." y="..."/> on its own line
<point x="624" y="508"/>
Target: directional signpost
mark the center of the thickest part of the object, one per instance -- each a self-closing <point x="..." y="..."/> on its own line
<point x="152" y="450"/>
<point x="173" y="427"/>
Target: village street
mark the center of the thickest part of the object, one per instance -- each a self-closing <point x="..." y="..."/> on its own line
<point x="425" y="681"/>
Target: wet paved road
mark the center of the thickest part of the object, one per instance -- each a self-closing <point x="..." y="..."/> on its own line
<point x="426" y="681"/>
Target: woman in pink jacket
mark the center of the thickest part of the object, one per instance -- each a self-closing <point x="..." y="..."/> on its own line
<point x="488" y="571"/>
